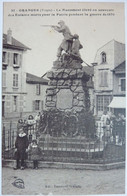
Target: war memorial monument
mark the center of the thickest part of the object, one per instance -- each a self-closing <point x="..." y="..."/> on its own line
<point x="67" y="116"/>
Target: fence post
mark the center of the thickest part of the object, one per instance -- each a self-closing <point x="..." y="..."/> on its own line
<point x="80" y="148"/>
<point x="3" y="142"/>
<point x="89" y="146"/>
<point x="57" y="147"/>
<point x="104" y="145"/>
<point x="8" y="142"/>
<point x="52" y="147"/>
<point x="13" y="139"/>
<point x="66" y="150"/>
<point x="10" y="134"/>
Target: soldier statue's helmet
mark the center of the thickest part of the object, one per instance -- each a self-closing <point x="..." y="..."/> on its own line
<point x="75" y="36"/>
<point x="61" y="22"/>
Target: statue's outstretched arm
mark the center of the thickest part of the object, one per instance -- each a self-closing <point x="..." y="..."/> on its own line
<point x="59" y="29"/>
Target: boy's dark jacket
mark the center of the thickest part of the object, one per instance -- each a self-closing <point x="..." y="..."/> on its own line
<point x="21" y="142"/>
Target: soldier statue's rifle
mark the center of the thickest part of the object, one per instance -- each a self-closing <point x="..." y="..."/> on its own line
<point x="48" y="26"/>
<point x="71" y="54"/>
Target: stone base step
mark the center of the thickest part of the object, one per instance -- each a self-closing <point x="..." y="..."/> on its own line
<point x="64" y="165"/>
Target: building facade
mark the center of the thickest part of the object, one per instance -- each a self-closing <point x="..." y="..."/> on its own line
<point x="13" y="85"/>
<point x="36" y="91"/>
<point x="106" y="80"/>
<point x="118" y="103"/>
<point x="22" y="93"/>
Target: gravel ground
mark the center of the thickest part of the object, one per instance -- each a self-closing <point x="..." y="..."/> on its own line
<point x="63" y="182"/>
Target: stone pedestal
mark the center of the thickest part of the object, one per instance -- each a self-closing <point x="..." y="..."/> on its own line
<point x="67" y="88"/>
<point x="67" y="125"/>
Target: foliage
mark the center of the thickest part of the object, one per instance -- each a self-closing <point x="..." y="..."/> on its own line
<point x="57" y="123"/>
<point x="86" y="123"/>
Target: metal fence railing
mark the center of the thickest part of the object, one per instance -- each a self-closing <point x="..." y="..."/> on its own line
<point x="105" y="146"/>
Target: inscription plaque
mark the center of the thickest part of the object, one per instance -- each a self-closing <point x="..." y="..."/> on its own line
<point x="64" y="99"/>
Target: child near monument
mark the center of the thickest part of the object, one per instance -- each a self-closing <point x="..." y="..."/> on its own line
<point x="21" y="144"/>
<point x="35" y="153"/>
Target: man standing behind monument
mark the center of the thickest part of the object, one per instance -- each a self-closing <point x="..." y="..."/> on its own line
<point x="68" y="38"/>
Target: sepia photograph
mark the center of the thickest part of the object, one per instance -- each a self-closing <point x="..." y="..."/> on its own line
<point x="63" y="83"/>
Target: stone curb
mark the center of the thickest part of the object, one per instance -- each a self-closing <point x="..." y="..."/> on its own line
<point x="59" y="165"/>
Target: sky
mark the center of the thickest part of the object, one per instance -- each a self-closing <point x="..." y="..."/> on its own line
<point x="89" y="20"/>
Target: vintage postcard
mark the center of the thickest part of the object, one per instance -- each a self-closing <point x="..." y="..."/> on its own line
<point x="63" y="98"/>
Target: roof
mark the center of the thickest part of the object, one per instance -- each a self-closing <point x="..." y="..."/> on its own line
<point x="118" y="102"/>
<point x="32" y="79"/>
<point x="120" y="68"/>
<point x="15" y="44"/>
<point x="113" y="40"/>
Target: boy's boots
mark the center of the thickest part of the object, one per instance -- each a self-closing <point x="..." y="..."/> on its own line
<point x="17" y="165"/>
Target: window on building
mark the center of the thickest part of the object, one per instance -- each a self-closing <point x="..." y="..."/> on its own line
<point x="15" y="80"/>
<point x="38" y="89"/>
<point x="102" y="102"/>
<point x="103" y="76"/>
<point x="3" y="105"/>
<point x="14" y="103"/>
<point x="37" y="104"/>
<point x="15" y="59"/>
<point x="99" y="103"/>
<point x="3" y="97"/>
<point x="3" y="79"/>
<point x="103" y="57"/>
<point x="4" y="57"/>
<point x="122" y="84"/>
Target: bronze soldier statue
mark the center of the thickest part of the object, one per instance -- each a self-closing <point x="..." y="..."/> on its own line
<point x="70" y="44"/>
<point x="68" y="38"/>
<point x="76" y="46"/>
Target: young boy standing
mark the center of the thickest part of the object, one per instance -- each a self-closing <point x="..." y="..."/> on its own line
<point x="21" y="144"/>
